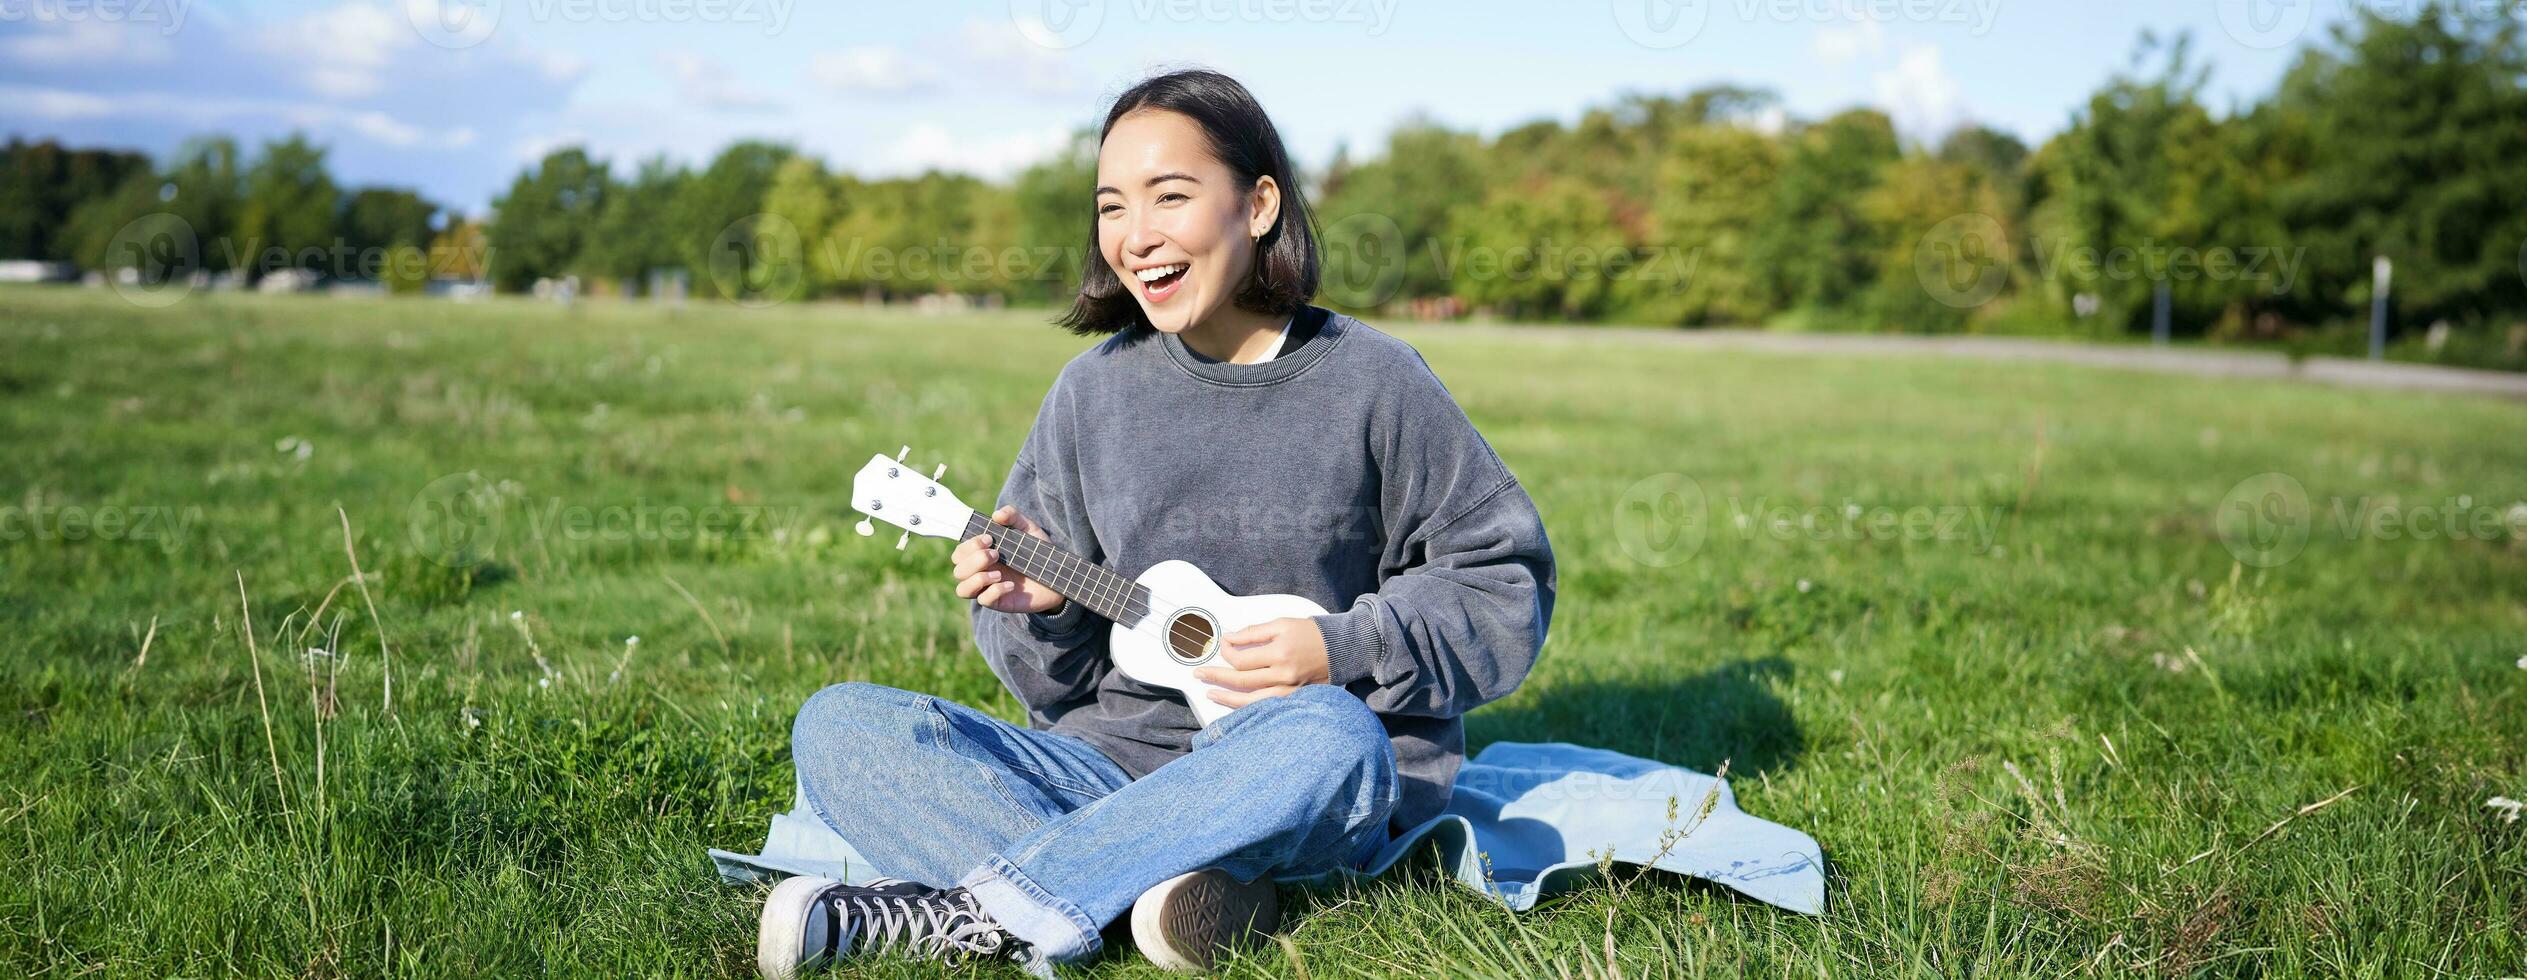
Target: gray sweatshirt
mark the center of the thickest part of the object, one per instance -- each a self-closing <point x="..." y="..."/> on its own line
<point x="1341" y="471"/>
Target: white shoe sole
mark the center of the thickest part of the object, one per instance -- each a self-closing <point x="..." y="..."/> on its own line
<point x="1188" y="921"/>
<point x="781" y="937"/>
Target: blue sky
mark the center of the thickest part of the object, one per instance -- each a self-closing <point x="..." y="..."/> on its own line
<point x="454" y="96"/>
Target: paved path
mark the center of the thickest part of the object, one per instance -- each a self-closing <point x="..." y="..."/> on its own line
<point x="2178" y="360"/>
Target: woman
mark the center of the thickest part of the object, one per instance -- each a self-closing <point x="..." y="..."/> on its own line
<point x="1280" y="448"/>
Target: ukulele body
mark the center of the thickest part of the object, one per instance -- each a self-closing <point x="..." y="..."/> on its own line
<point x="1189" y="614"/>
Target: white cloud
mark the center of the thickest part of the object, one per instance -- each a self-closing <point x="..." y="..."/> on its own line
<point x="533" y="148"/>
<point x="929" y="146"/>
<point x="1842" y="44"/>
<point x="76" y="42"/>
<point x="1920" y="95"/>
<point x="870" y="70"/>
<point x="189" y="108"/>
<point x="55" y="104"/>
<point x="709" y="84"/>
<point x="998" y="52"/>
<point x="342" y="52"/>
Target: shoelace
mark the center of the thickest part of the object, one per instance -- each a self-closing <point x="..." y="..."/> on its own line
<point x="936" y="926"/>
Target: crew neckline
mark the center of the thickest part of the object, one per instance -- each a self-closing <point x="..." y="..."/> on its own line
<point x="1318" y="335"/>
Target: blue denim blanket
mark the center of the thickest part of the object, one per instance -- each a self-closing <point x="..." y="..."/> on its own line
<point x="1520" y="826"/>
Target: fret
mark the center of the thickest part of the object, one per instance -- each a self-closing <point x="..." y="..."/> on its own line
<point x="1077" y="579"/>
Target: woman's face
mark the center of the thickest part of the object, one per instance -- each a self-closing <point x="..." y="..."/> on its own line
<point x="1171" y="220"/>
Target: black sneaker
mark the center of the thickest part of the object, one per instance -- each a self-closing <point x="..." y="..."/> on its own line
<point x="810" y="922"/>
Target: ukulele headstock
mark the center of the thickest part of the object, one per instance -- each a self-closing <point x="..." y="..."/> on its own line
<point x="892" y="491"/>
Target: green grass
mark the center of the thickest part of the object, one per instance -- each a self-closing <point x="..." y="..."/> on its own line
<point x="2048" y="743"/>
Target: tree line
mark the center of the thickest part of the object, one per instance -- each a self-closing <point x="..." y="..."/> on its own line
<point x="2402" y="137"/>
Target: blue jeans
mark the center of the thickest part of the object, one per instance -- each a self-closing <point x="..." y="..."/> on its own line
<point x="1056" y="841"/>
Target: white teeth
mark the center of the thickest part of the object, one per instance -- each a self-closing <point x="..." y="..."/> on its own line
<point x="1161" y="272"/>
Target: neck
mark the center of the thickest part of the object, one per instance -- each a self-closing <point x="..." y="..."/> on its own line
<point x="1235" y="335"/>
<point x="1077" y="579"/>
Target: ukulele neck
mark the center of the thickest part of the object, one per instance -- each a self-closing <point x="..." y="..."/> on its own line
<point x="1076" y="579"/>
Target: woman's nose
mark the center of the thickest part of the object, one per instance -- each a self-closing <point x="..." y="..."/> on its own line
<point x="1139" y="239"/>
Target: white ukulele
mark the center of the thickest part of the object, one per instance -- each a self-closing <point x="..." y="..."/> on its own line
<point x="1166" y="622"/>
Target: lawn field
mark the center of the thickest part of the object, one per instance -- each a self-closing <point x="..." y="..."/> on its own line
<point x="1974" y="626"/>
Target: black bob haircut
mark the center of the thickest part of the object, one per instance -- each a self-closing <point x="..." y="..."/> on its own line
<point x="1242" y="137"/>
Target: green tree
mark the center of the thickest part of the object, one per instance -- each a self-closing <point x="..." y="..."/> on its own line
<point x="1054" y="208"/>
<point x="631" y="238"/>
<point x="2421" y="128"/>
<point x="42" y="183"/>
<point x="1818" y="250"/>
<point x="1548" y="248"/>
<point x="378" y="218"/>
<point x="1712" y="193"/>
<point x="1387" y="222"/>
<point x="539" y="227"/>
<point x="286" y="217"/>
<point x="720" y="203"/>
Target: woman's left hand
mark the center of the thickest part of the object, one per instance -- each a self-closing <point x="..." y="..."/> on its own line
<point x="1267" y="660"/>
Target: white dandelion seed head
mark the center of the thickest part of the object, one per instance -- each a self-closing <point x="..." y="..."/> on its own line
<point x="1805" y="585"/>
<point x="517" y="615"/>
<point x="543" y="682"/>
<point x="631" y="641"/>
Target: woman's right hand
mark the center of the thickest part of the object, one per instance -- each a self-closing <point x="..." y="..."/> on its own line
<point x="982" y="577"/>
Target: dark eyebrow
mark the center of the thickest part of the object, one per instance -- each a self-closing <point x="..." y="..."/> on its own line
<point x="1152" y="182"/>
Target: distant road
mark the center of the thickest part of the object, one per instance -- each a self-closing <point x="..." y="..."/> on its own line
<point x="2179" y="360"/>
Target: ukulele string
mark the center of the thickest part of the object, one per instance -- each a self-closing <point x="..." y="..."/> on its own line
<point x="1122" y="599"/>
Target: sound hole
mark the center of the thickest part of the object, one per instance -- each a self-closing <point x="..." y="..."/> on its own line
<point x="1189" y="637"/>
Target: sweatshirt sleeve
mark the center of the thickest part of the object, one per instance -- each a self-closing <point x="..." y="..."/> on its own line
<point x="1052" y="663"/>
<point x="1467" y="578"/>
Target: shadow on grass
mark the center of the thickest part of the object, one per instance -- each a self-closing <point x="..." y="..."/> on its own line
<point x="1726" y="713"/>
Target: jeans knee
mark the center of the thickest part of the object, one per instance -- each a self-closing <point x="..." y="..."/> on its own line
<point x="852" y="711"/>
<point x="1341" y="732"/>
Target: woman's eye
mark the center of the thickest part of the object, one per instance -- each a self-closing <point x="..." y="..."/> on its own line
<point x="1106" y="209"/>
<point x="1171" y="196"/>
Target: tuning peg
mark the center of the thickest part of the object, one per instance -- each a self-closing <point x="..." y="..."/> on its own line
<point x="901" y="453"/>
<point x="864" y="527"/>
<point x="940" y="472"/>
<point x="900" y="542"/>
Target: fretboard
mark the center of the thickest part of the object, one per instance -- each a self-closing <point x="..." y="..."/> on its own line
<point x="1077" y="579"/>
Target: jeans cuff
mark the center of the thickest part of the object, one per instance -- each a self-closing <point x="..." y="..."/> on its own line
<point x="1049" y="924"/>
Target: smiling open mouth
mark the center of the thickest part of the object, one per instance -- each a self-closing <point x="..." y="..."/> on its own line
<point x="1159" y="282"/>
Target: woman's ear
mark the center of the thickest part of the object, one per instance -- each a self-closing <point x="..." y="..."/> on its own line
<point x="1263" y="207"/>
